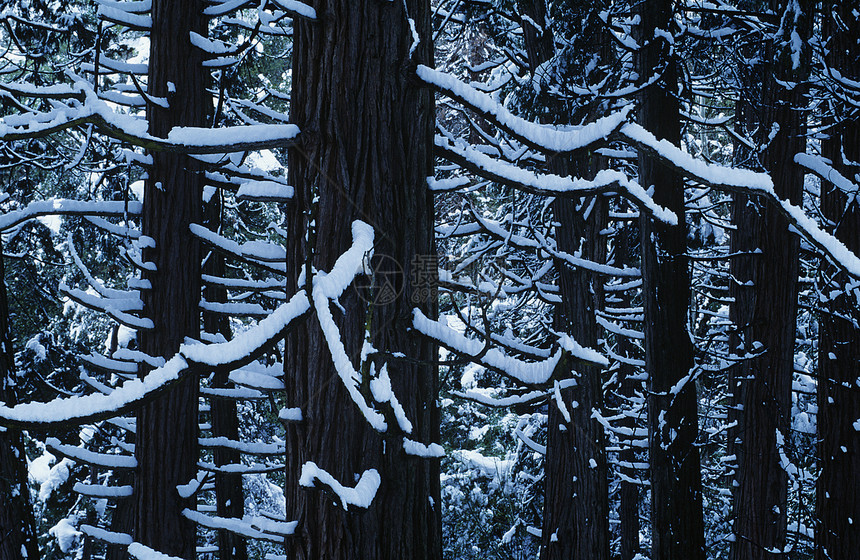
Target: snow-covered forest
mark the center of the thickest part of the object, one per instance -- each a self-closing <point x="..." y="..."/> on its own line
<point x="430" y="279"/>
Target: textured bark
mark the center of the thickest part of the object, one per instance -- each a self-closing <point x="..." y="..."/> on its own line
<point x="229" y="494"/>
<point x="367" y="150"/>
<point x="17" y="523"/>
<point x="628" y="509"/>
<point x="744" y="240"/>
<point x="676" y="488"/>
<point x="576" y="501"/>
<point x="838" y="491"/>
<point x="763" y="383"/>
<point x="166" y="448"/>
<point x="576" y="494"/>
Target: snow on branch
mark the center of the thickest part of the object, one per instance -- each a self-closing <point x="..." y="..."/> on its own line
<point x="747" y="182"/>
<point x="297" y="9"/>
<point x="292" y="8"/>
<point x="259" y="253"/>
<point x="361" y="495"/>
<point x="418" y="449"/>
<point x="546" y="184"/>
<point x="248" y="345"/>
<point x="243" y="349"/>
<point x="547" y="138"/>
<point x="79" y="454"/>
<point x="821" y="167"/>
<point x="89" y="408"/>
<point x="497" y="230"/>
<point x="481" y="397"/>
<point x="54" y="91"/>
<point x="67" y="207"/>
<point x="116" y="307"/>
<point x="141" y="552"/>
<point x="230" y="355"/>
<point x="246" y="527"/>
<point x="530" y="373"/>
<point x="106" y="536"/>
<point x="328" y="287"/>
<point x="127" y="128"/>
<point x="136" y="22"/>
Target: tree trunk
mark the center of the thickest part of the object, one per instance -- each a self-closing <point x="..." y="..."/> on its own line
<point x="838" y="491"/>
<point x="166" y="448"/>
<point x="677" y="526"/>
<point x="764" y="381"/>
<point x="366" y="153"/>
<point x="628" y="508"/>
<point x="576" y="494"/>
<point x="17" y="522"/>
<point x="229" y="494"/>
<point x="576" y="501"/>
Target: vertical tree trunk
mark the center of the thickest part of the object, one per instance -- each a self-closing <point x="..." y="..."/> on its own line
<point x="744" y="239"/>
<point x="576" y="494"/>
<point x="677" y="527"/>
<point x="838" y="492"/>
<point x="166" y="448"/>
<point x="367" y="150"/>
<point x="576" y="501"/>
<point x="628" y="508"/>
<point x="17" y="523"/>
<point x="764" y="382"/>
<point x="229" y="494"/>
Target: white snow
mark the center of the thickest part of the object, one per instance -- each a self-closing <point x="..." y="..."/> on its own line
<point x="250" y="526"/>
<point x="106" y="536"/>
<point x="86" y="456"/>
<point x="433" y="450"/>
<point x="65" y="533"/>
<point x="296" y="8"/>
<point x="556" y="139"/>
<point x="290" y="414"/>
<point x="554" y="185"/>
<point x="102" y="491"/>
<point x="525" y="372"/>
<point x="69" y="409"/>
<point x="265" y="191"/>
<point x="248" y="342"/>
<point x="67" y="207"/>
<point x="361" y="495"/>
<point x="141" y="552"/>
<point x="231" y="136"/>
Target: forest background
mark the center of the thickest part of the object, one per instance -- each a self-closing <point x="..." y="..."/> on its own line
<point x="454" y="279"/>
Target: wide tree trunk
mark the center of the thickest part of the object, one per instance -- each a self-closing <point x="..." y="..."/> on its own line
<point x="676" y="486"/>
<point x="762" y="383"/>
<point x="838" y="491"/>
<point x="366" y="152"/>
<point x="17" y="523"/>
<point x="167" y="448"/>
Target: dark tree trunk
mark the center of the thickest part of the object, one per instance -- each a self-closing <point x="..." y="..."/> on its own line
<point x="166" y="448"/>
<point x="744" y="240"/>
<point x="576" y="501"/>
<point x="576" y="494"/>
<point x="17" y="523"/>
<point x="366" y="153"/>
<point x="676" y="486"/>
<point x="769" y="323"/>
<point x="838" y="492"/>
<point x="229" y="494"/>
<point x="628" y="509"/>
